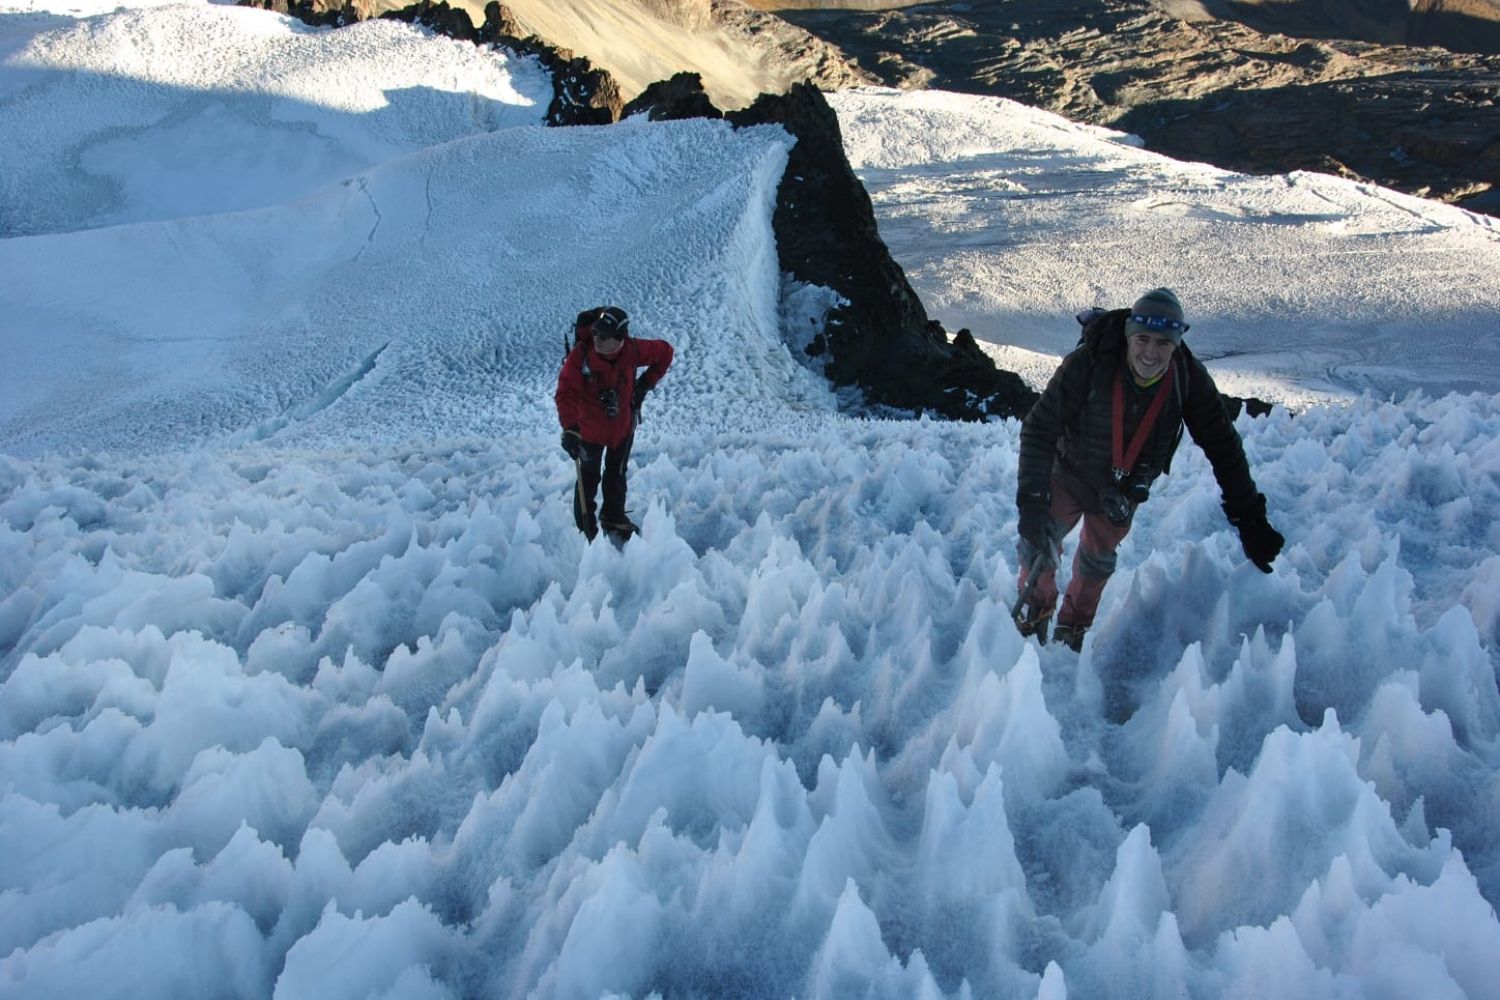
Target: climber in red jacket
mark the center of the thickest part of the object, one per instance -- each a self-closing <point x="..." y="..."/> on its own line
<point x="599" y="399"/>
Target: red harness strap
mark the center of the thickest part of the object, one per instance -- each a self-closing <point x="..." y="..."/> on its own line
<point x="1124" y="460"/>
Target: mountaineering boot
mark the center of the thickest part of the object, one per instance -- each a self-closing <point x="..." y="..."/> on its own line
<point x="1036" y="625"/>
<point x="621" y="530"/>
<point x="1070" y="635"/>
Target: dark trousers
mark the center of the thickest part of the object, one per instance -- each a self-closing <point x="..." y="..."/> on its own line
<point x="599" y="464"/>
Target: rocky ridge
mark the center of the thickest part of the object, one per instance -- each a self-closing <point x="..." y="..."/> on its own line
<point x="1422" y="121"/>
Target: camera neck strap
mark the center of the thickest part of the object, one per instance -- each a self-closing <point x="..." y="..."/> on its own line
<point x="1124" y="460"/>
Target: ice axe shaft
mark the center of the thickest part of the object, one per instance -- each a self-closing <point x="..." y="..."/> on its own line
<point x="1025" y="596"/>
<point x="581" y="499"/>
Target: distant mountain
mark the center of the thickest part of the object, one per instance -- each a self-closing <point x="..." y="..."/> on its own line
<point x="1195" y="87"/>
<point x="1457" y="25"/>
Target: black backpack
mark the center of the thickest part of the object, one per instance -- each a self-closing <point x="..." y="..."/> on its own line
<point x="583" y="328"/>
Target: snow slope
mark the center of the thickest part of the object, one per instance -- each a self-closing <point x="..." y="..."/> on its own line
<point x="266" y="112"/>
<point x="193" y="326"/>
<point x="257" y="323"/>
<point x="308" y="686"/>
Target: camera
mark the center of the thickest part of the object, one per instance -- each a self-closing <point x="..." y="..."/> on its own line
<point x="1116" y="507"/>
<point x="610" y="400"/>
<point x="1119" y="502"/>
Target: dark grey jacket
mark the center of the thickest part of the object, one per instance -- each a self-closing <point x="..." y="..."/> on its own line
<point x="1069" y="428"/>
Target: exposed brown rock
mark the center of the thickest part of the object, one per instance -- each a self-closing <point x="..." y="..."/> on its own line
<point x="695" y="15"/>
<point x="739" y="52"/>
<point x="798" y="54"/>
<point x="583" y="94"/>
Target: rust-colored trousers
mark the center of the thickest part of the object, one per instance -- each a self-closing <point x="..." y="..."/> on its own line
<point x="1093" y="563"/>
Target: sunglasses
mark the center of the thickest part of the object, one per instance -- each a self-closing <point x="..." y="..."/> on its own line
<point x="1159" y="323"/>
<point x="601" y="337"/>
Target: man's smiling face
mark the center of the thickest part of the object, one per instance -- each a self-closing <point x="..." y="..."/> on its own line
<point x="1148" y="354"/>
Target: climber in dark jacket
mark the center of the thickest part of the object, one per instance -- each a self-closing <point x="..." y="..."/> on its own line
<point x="1105" y="428"/>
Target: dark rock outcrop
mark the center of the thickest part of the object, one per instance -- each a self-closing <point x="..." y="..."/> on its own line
<point x="682" y="96"/>
<point x="1422" y="121"/>
<point x="883" y="340"/>
<point x="440" y="17"/>
<point x="318" y="13"/>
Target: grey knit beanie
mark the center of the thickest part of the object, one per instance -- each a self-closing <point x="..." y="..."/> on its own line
<point x="1162" y="304"/>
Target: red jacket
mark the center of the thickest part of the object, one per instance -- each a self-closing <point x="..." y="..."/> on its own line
<point x="586" y="373"/>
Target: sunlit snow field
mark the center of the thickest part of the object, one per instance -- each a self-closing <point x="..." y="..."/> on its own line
<point x="309" y="688"/>
<point x="1302" y="288"/>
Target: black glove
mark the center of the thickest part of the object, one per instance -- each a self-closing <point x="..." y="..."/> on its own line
<point x="1262" y="542"/>
<point x="639" y="396"/>
<point x="1035" y="529"/>
<point x="572" y="443"/>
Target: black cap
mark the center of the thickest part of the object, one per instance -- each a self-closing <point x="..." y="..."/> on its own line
<point x="612" y="322"/>
<point x="1158" y="312"/>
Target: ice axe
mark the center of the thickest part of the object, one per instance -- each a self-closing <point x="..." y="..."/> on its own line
<point x="581" y="500"/>
<point x="1031" y="574"/>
